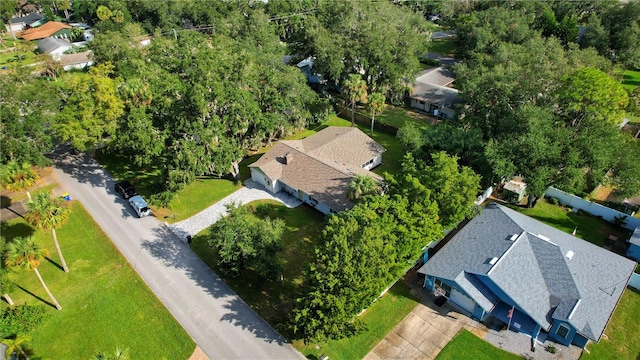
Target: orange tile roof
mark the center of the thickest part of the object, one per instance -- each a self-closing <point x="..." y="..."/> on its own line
<point x="43" y="31"/>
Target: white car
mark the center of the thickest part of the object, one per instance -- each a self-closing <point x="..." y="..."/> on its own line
<point x="139" y="205"/>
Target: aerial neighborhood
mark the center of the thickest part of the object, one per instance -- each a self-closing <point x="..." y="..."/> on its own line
<point x="320" y="179"/>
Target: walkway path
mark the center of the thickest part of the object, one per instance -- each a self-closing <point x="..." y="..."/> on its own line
<point x="207" y="217"/>
<point x="425" y="331"/>
<point x="218" y="320"/>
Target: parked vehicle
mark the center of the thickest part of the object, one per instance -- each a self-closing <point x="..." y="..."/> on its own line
<point x="125" y="189"/>
<point x="139" y="205"/>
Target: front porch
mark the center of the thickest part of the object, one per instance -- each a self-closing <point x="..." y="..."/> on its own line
<point x="519" y="322"/>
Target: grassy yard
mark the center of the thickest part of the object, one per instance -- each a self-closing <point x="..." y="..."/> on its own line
<point x="631" y="79"/>
<point x="446" y="46"/>
<point x="589" y="228"/>
<point x="466" y="346"/>
<point x="398" y="116"/>
<point x="105" y="303"/>
<point x="623" y="329"/>
<point x="275" y="300"/>
<point x="194" y="198"/>
<point x="381" y="317"/>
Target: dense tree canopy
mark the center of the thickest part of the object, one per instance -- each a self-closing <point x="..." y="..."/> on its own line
<point x="377" y="39"/>
<point x="243" y="241"/>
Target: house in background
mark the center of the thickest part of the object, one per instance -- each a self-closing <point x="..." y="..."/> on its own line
<point x="20" y="23"/>
<point x="77" y="61"/>
<point x="539" y="280"/>
<point x="432" y="93"/>
<point x="50" y="29"/>
<point x="318" y="169"/>
<point x="634" y="245"/>
<point x="54" y="47"/>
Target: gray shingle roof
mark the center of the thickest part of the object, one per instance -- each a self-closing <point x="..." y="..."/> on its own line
<point x="29" y="19"/>
<point x="534" y="269"/>
<point x="48" y="45"/>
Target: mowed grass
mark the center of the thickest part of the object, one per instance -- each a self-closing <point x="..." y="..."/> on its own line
<point x="399" y="116"/>
<point x="380" y="318"/>
<point x="466" y="346"/>
<point x="446" y="46"/>
<point x="189" y="201"/>
<point x="623" y="341"/>
<point x="630" y="79"/>
<point x="105" y="303"/>
<point x="592" y="229"/>
<point x="273" y="300"/>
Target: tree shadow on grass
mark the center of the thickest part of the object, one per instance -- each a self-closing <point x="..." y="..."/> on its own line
<point x="55" y="264"/>
<point x="36" y="296"/>
<point x="12" y="231"/>
<point x="172" y="252"/>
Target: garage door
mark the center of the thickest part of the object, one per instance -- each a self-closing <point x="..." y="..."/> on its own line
<point x="462" y="300"/>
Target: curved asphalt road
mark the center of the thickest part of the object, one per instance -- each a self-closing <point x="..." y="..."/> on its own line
<point x="216" y="318"/>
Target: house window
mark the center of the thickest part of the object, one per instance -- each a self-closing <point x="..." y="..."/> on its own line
<point x="446" y="288"/>
<point x="563" y="331"/>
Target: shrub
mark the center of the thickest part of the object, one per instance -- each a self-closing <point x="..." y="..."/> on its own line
<point x="20" y="319"/>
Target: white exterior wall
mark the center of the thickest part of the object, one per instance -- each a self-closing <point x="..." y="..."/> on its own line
<point x="415" y="103"/>
<point x="15" y="27"/>
<point x="78" y="66"/>
<point x="273" y="186"/>
<point x="376" y="161"/>
<point x="57" y="53"/>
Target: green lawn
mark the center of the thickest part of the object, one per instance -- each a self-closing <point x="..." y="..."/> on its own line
<point x="105" y="303"/>
<point x="273" y="300"/>
<point x="444" y="46"/>
<point x="623" y="330"/>
<point x="631" y="79"/>
<point x="466" y="346"/>
<point x="381" y="317"/>
<point x="398" y="116"/>
<point x="194" y="198"/>
<point x="589" y="228"/>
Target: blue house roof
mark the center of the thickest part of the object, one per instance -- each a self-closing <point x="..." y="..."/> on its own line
<point x="547" y="273"/>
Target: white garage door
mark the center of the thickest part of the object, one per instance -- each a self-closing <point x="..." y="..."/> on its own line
<point x="462" y="300"/>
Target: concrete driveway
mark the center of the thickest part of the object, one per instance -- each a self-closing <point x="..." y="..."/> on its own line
<point x="222" y="325"/>
<point x="426" y="330"/>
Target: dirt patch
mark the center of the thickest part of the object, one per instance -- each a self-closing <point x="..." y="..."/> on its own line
<point x="198" y="354"/>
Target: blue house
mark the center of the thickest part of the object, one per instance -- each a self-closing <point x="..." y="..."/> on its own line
<point x="529" y="275"/>
<point x="634" y="245"/>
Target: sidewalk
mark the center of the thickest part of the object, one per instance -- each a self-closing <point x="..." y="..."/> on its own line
<point x="207" y="217"/>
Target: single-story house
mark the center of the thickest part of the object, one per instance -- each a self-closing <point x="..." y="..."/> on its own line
<point x="50" y="29"/>
<point x="634" y="245"/>
<point x="77" y="61"/>
<point x="529" y="275"/>
<point x="23" y="22"/>
<point x="318" y="169"/>
<point x="432" y="94"/>
<point x="54" y="47"/>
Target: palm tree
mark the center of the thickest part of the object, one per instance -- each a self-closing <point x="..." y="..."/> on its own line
<point x="25" y="253"/>
<point x="15" y="345"/>
<point x="356" y="88"/>
<point x="6" y="284"/>
<point x="19" y="177"/>
<point x="49" y="213"/>
<point x="362" y="185"/>
<point x="119" y="354"/>
<point x="376" y="104"/>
